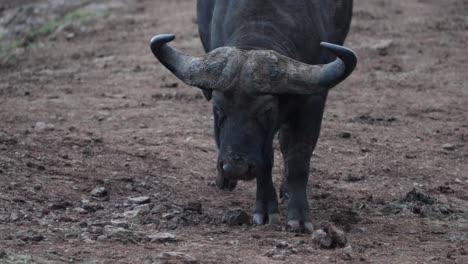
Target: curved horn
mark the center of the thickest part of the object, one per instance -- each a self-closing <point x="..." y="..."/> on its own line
<point x="212" y="71"/>
<point x="337" y="71"/>
<point x="270" y="72"/>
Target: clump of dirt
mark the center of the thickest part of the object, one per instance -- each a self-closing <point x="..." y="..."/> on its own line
<point x="421" y="203"/>
<point x="329" y="236"/>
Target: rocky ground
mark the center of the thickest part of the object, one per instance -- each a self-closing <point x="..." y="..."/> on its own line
<point x="106" y="158"/>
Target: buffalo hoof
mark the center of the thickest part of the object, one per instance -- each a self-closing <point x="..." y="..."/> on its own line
<point x="261" y="219"/>
<point x="298" y="227"/>
<point x="225" y="184"/>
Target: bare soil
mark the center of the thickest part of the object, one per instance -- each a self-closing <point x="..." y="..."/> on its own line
<point x="89" y="119"/>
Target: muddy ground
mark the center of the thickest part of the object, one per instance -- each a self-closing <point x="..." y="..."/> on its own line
<point x="89" y="120"/>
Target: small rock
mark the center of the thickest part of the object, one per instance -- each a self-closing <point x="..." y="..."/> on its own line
<point x="80" y="210"/>
<point x="140" y="200"/>
<point x="329" y="236"/>
<point x="176" y="257"/>
<point x="383" y="46"/>
<point x="42" y="126"/>
<point x="236" y="217"/>
<point x="119" y="233"/>
<point x="448" y="146"/>
<point x="27" y="236"/>
<point x="170" y="85"/>
<point x="354" y="178"/>
<point x="194" y="206"/>
<point x="131" y="214"/>
<point x="91" y="207"/>
<point x="60" y="205"/>
<point x="161" y="237"/>
<point x="99" y="191"/>
<point x="322" y="238"/>
<point x="278" y="257"/>
<point x="345" y="134"/>
<point x="338" y="236"/>
<point x="14" y="217"/>
<point x="158" y="209"/>
<point x="171" y="214"/>
<point x="123" y="223"/>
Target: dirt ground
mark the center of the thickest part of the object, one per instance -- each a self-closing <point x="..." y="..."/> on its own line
<point x="89" y="120"/>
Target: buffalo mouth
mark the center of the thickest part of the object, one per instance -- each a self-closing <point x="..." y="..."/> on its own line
<point x="229" y="182"/>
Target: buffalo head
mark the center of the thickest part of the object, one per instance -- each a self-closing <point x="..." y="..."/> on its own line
<point x="245" y="85"/>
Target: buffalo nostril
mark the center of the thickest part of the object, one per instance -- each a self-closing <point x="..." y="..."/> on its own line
<point x="227" y="168"/>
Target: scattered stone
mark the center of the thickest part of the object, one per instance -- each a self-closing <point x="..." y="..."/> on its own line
<point x="383" y="46"/>
<point x="448" y="146"/>
<point x="234" y="217"/>
<point x="170" y="85"/>
<point x="415" y="196"/>
<point x="345" y="134"/>
<point x="176" y="257"/>
<point x="345" y="217"/>
<point x="161" y="237"/>
<point x="131" y="214"/>
<point x="123" y="223"/>
<point x="60" y="205"/>
<point x="144" y="208"/>
<point x="278" y="257"/>
<point x="120" y="234"/>
<point x="354" y="178"/>
<point x="194" y="206"/>
<point x="14" y="217"/>
<point x="42" y="126"/>
<point x="172" y="213"/>
<point x="140" y="200"/>
<point x="29" y="236"/>
<point x="158" y="209"/>
<point x="91" y="207"/>
<point x="99" y="191"/>
<point x="329" y="236"/>
<point x="322" y="238"/>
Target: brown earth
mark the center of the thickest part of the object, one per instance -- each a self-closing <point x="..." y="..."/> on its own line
<point x="86" y="105"/>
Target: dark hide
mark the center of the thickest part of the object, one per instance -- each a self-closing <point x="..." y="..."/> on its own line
<point x="245" y="124"/>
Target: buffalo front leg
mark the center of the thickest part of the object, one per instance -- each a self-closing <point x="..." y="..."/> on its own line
<point x="266" y="205"/>
<point x="298" y="138"/>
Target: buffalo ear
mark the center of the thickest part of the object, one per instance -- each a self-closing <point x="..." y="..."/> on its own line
<point x="207" y="93"/>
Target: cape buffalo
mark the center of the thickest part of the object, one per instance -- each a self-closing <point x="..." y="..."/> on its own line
<point x="268" y="69"/>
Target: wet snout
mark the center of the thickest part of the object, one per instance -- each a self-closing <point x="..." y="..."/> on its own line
<point x="236" y="169"/>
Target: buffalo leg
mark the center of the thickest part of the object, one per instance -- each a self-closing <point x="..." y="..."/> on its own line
<point x="266" y="205"/>
<point x="298" y="138"/>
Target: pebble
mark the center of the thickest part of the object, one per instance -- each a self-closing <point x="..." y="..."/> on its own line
<point x="177" y="257"/>
<point x="123" y="223"/>
<point x="99" y="191"/>
<point x="140" y="200"/>
<point x="144" y="208"/>
<point x="42" y="126"/>
<point x="29" y="236"/>
<point x="383" y="46"/>
<point x="236" y="217"/>
<point x="194" y="206"/>
<point x="448" y="146"/>
<point x="329" y="236"/>
<point x="132" y="213"/>
<point x="278" y="257"/>
<point x="60" y="205"/>
<point x="80" y="210"/>
<point x="161" y="237"/>
<point x="345" y="134"/>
